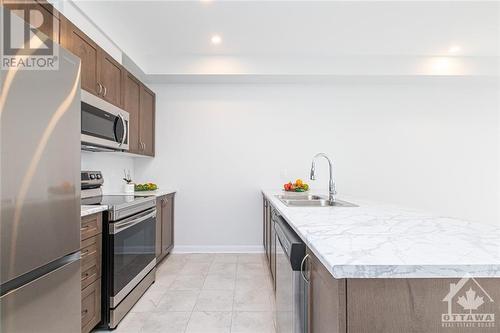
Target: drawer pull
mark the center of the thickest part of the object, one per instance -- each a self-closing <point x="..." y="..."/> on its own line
<point x="87" y="227"/>
<point x="87" y="276"/>
<point x="86" y="253"/>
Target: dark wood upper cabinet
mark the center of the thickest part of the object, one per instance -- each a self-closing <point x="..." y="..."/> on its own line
<point x="83" y="47"/>
<point x="131" y="104"/>
<point x="110" y="77"/>
<point x="139" y="102"/>
<point x="147" y="121"/>
<point x="101" y="74"/>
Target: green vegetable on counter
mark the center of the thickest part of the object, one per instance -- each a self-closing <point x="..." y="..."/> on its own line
<point x="146" y="187"/>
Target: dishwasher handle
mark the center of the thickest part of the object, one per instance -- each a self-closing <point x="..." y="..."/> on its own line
<point x="302" y="268"/>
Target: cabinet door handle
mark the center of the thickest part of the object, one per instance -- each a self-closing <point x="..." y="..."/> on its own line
<point x="302" y="268"/>
<point x="99" y="85"/>
<point x="105" y="91"/>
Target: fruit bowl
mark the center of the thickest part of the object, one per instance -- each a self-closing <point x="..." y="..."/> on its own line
<point x="294" y="193"/>
<point x="298" y="187"/>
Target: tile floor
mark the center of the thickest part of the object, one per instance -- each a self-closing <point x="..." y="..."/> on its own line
<point x="206" y="293"/>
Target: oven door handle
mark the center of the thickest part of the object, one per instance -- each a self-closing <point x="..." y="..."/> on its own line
<point x="125" y="224"/>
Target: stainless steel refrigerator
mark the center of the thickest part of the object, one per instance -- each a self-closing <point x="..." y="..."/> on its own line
<point x="40" y="199"/>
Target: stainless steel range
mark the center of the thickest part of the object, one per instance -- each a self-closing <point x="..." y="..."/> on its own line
<point x="129" y="246"/>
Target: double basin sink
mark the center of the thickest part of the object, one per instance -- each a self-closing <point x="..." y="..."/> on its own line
<point x="309" y="200"/>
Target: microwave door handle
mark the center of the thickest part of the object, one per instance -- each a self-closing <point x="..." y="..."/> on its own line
<point x="124" y="129"/>
<point x="124" y="225"/>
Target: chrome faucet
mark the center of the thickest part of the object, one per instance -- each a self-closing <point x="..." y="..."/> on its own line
<point x="331" y="185"/>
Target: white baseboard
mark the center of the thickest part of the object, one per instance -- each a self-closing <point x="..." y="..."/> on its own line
<point x="218" y="249"/>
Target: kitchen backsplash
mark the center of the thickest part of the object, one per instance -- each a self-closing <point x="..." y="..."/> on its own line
<point x="111" y="165"/>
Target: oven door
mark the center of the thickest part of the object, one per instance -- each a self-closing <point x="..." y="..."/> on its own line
<point x="103" y="124"/>
<point x="132" y="249"/>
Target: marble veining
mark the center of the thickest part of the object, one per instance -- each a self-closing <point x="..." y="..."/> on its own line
<point x="384" y="241"/>
<point x="92" y="209"/>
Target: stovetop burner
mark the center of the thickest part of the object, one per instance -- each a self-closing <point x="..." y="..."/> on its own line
<point x="119" y="206"/>
<point x="111" y="200"/>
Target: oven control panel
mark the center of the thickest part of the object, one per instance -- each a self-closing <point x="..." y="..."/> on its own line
<point x="91" y="179"/>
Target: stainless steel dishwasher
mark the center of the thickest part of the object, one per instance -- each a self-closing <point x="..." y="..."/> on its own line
<point x="291" y="289"/>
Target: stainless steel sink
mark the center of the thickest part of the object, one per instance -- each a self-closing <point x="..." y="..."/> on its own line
<point x="300" y="197"/>
<point x="311" y="201"/>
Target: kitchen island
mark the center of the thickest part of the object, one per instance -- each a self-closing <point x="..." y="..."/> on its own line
<point x="382" y="268"/>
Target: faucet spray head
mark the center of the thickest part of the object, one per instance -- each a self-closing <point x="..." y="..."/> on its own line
<point x="313" y="171"/>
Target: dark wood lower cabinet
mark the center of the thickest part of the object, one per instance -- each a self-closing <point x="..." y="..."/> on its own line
<point x="327" y="299"/>
<point x="91" y="306"/>
<point x="269" y="238"/>
<point x="266" y="229"/>
<point x="91" y="265"/>
<point x="272" y="248"/>
<point x="397" y="305"/>
<point x="418" y="305"/>
<point x="164" y="225"/>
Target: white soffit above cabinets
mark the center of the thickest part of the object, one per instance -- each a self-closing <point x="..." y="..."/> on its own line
<point x="294" y="38"/>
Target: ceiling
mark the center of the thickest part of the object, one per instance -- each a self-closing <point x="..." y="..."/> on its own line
<point x="157" y="34"/>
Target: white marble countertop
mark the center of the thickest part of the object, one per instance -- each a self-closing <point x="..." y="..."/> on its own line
<point x="92" y="209"/>
<point x="158" y="193"/>
<point x="385" y="241"/>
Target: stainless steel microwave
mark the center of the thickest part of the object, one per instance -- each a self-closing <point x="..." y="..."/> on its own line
<point x="105" y="127"/>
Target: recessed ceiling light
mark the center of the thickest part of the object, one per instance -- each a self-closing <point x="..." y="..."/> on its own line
<point x="454" y="49"/>
<point x="216" y="39"/>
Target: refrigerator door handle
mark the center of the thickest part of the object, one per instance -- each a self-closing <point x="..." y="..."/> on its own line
<point x="13" y="284"/>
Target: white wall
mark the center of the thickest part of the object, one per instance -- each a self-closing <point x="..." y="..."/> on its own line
<point x="111" y="165"/>
<point x="431" y="144"/>
<point x="72" y="11"/>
